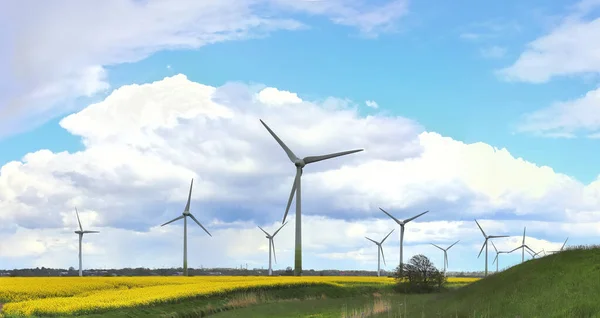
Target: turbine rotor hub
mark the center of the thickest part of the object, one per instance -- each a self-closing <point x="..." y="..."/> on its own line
<point x="300" y="163"/>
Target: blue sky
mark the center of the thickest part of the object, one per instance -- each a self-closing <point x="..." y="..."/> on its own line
<point x="448" y="80"/>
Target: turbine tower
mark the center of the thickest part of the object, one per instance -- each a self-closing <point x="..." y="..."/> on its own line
<point x="485" y="244"/>
<point x="402" y="223"/>
<point x="296" y="190"/>
<point x="80" y="233"/>
<point x="271" y="244"/>
<point x="496" y="260"/>
<point x="380" y="252"/>
<point x="445" y="254"/>
<point x="561" y="248"/>
<point x="184" y="215"/>
<point x="523" y="247"/>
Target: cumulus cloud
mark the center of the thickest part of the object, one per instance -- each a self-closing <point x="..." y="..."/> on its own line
<point x="60" y="50"/>
<point x="143" y="144"/>
<point x="372" y="104"/>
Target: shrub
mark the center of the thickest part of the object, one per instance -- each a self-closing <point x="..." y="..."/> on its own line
<point x="419" y="276"/>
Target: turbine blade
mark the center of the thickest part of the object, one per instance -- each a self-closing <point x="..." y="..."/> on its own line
<point x="414" y="217"/>
<point x="78" y="221"/>
<point x="287" y="150"/>
<point x="563" y="246"/>
<point x="264" y="231"/>
<point x="279" y="229"/>
<point x="385" y="238"/>
<point x="292" y="194"/>
<point x="516" y="249"/>
<point x="187" y="205"/>
<point x="91" y="232"/>
<point x="312" y="159"/>
<point x="497" y="236"/>
<point x="496" y="258"/>
<point x="397" y="221"/>
<point x="372" y="240"/>
<point x="524" y="228"/>
<point x="274" y="255"/>
<point x="481" y="229"/>
<point x="175" y="219"/>
<point x="482" y="246"/>
<point x="527" y="247"/>
<point x="495" y="249"/>
<point x="193" y="218"/>
<point x="382" y="255"/>
<point x="437" y="246"/>
<point x="452" y="245"/>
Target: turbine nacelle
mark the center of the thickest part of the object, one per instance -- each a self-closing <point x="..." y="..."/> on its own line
<point x="299" y="163"/>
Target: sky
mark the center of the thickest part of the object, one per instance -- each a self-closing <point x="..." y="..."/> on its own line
<point x="487" y="111"/>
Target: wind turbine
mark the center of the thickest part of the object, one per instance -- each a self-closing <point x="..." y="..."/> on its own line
<point x="496" y="259"/>
<point x="561" y="248"/>
<point x="445" y="254"/>
<point x="80" y="233"/>
<point x="487" y="237"/>
<point x="536" y="254"/>
<point x="402" y="223"/>
<point x="380" y="252"/>
<point x="296" y="189"/>
<point x="523" y="247"/>
<point x="184" y="215"/>
<point x="271" y="244"/>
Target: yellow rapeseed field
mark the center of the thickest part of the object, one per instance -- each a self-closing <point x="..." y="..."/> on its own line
<point x="68" y="295"/>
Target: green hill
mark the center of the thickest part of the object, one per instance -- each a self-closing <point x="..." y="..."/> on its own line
<point x="565" y="284"/>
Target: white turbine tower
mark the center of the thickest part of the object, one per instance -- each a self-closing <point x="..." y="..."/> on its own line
<point x="496" y="259"/>
<point x="80" y="233"/>
<point x="485" y="244"/>
<point x="296" y="190"/>
<point x="184" y="215"/>
<point x="523" y="247"/>
<point x="271" y="244"/>
<point x="561" y="248"/>
<point x="380" y="252"/>
<point x="402" y="223"/>
<point x="445" y="254"/>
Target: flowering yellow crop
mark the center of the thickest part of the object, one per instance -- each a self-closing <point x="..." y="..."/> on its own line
<point x="68" y="295"/>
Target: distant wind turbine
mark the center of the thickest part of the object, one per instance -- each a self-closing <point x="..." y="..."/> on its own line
<point x="271" y="244"/>
<point x="380" y="252"/>
<point x="485" y="244"/>
<point x="561" y="248"/>
<point x="184" y="215"/>
<point x="80" y="233"/>
<point x="296" y="189"/>
<point x="402" y="223"/>
<point x="445" y="254"/>
<point x="496" y="259"/>
<point x="523" y="247"/>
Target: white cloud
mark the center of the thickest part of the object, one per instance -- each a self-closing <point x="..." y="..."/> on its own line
<point x="566" y="50"/>
<point x="60" y="50"/>
<point x="143" y="143"/>
<point x="275" y="97"/>
<point x="493" y="52"/>
<point x="372" y="104"/>
<point x="565" y="119"/>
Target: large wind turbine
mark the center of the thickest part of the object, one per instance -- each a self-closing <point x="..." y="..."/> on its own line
<point x="496" y="259"/>
<point x="523" y="247"/>
<point x="271" y="244"/>
<point x="561" y="248"/>
<point x="380" y="252"/>
<point x="402" y="223"/>
<point x="80" y="233"/>
<point x="445" y="254"/>
<point x="485" y="244"/>
<point x="184" y="215"/>
<point x="296" y="189"/>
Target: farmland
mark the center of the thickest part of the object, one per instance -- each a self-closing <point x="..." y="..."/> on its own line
<point x="65" y="296"/>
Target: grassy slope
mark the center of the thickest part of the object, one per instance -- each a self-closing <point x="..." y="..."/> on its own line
<point x="566" y="284"/>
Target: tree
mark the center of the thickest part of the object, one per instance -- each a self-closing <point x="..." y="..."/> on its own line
<point x="419" y="276"/>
